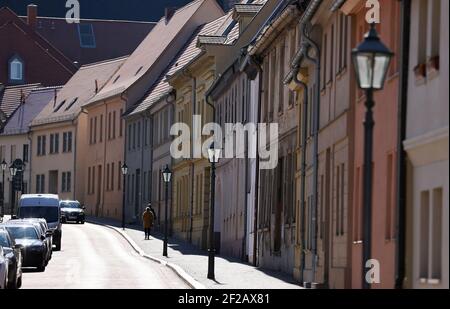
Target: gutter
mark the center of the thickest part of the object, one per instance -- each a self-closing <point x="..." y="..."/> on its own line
<point x="186" y="73"/>
<point x="400" y="263"/>
<point x="302" y="54"/>
<point x="303" y="171"/>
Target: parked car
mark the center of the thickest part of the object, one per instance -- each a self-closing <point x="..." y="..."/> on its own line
<point x="43" y="206"/>
<point x="42" y="230"/>
<point x="3" y="270"/>
<point x="72" y="211"/>
<point x="13" y="255"/>
<point x="34" y="247"/>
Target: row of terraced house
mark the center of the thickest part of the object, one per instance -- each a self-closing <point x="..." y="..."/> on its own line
<point x="263" y="61"/>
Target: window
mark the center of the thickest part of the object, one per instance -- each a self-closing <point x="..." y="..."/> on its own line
<point x="121" y="123"/>
<point x="109" y="125"/>
<point x="54" y="143"/>
<point x="67" y="142"/>
<point x="112" y="177"/>
<point x="13" y="152"/>
<point x="119" y="172"/>
<point x="16" y="70"/>
<point x="129" y="137"/>
<point x="101" y="128"/>
<point x="91" y="128"/>
<point x="71" y="104"/>
<point x="107" y="178"/>
<point x="114" y="125"/>
<point x="435" y="28"/>
<point x="330" y="79"/>
<point x="422" y="32"/>
<point x="41" y="145"/>
<point x="430" y="257"/>
<point x="25" y="153"/>
<point x="390" y="225"/>
<point x="66" y="182"/>
<point x="95" y="130"/>
<point x="89" y="181"/>
<point x="86" y="34"/>
<point x="40" y="183"/>
<point x="134" y="135"/>
<point x="281" y="76"/>
<point x="57" y="108"/>
<point x="139" y="135"/>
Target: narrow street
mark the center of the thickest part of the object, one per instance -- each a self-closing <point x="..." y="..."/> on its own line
<point x="93" y="256"/>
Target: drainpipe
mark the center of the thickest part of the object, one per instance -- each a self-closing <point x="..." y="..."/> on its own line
<point x="30" y="153"/>
<point x="104" y="137"/>
<point x="316" y="120"/>
<point x="150" y="196"/>
<point x="244" y="256"/>
<point x="75" y="161"/>
<point x="125" y="183"/>
<point x="401" y="136"/>
<point x="257" y="64"/>
<point x="193" y="99"/>
<point x="303" y="168"/>
<point x="141" y="199"/>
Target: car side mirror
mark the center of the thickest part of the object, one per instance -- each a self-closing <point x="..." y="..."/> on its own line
<point x="18" y="246"/>
<point x="49" y="233"/>
<point x="42" y="237"/>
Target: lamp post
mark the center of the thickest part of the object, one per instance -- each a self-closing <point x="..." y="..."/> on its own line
<point x="4" y="166"/>
<point x="13" y="171"/>
<point x="124" y="174"/>
<point x="371" y="60"/>
<point x="167" y="175"/>
<point x="213" y="157"/>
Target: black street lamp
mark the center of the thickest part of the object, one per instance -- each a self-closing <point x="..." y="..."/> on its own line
<point x="4" y="166"/>
<point x="167" y="175"/>
<point x="371" y="61"/>
<point x="124" y="173"/>
<point x="213" y="157"/>
<point x="13" y="172"/>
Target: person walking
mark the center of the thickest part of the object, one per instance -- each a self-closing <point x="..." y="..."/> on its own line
<point x="147" y="220"/>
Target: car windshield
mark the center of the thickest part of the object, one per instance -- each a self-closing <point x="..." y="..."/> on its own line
<point x="4" y="242"/>
<point x="48" y="213"/>
<point x="70" y="205"/>
<point x="22" y="232"/>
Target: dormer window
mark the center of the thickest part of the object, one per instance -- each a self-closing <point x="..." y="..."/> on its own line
<point x="16" y="70"/>
<point x="86" y="34"/>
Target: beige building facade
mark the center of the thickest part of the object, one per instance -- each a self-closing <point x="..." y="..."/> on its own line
<point x="427" y="146"/>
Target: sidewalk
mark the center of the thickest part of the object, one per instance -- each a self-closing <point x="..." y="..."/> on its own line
<point x="230" y="273"/>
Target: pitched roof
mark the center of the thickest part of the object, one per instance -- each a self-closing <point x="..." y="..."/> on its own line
<point x="77" y="91"/>
<point x="186" y="55"/>
<point x="12" y="96"/>
<point x="7" y="17"/>
<point x="113" y="38"/>
<point x="25" y="113"/>
<point x="149" y="51"/>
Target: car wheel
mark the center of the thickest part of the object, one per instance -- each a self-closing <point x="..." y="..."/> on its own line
<point x="58" y="247"/>
<point x="82" y="222"/>
<point x="19" y="282"/>
<point x="42" y="267"/>
<point x="12" y="284"/>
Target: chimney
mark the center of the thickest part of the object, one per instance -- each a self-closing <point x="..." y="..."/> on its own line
<point x="32" y="15"/>
<point x="169" y="12"/>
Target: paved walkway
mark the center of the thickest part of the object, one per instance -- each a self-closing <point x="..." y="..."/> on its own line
<point x="230" y="273"/>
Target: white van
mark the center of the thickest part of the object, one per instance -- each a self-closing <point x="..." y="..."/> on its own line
<point x="43" y="206"/>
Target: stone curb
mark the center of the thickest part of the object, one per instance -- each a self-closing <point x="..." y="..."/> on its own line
<point x="175" y="268"/>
